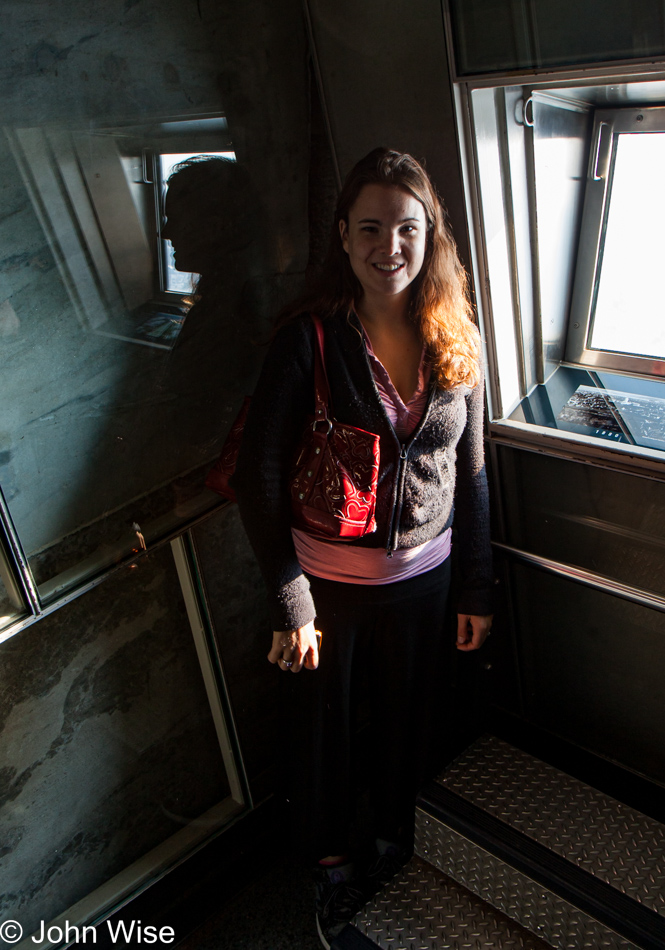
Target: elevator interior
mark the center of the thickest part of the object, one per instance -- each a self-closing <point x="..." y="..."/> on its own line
<point x="138" y="729"/>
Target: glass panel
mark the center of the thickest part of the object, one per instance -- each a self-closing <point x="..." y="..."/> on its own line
<point x="107" y="736"/>
<point x="486" y="128"/>
<point x="119" y="385"/>
<point x="629" y="314"/>
<point x="560" y="146"/>
<point x="477" y="48"/>
<point x="500" y="35"/>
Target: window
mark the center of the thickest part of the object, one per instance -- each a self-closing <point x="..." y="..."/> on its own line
<point x="568" y="202"/>
<point x="618" y="306"/>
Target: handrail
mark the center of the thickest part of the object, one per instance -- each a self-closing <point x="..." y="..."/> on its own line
<point x="590" y="579"/>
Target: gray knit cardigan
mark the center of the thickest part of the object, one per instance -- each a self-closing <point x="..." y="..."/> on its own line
<point x="442" y="475"/>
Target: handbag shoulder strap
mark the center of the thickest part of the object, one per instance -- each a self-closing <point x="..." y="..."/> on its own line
<point x="321" y="386"/>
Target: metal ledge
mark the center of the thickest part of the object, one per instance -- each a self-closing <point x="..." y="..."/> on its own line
<point x="626" y="70"/>
<point x="619" y="457"/>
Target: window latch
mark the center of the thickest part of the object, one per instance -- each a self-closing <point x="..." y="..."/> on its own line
<point x="601" y="152"/>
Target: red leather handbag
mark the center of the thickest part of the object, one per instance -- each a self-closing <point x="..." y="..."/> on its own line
<point x="336" y="469"/>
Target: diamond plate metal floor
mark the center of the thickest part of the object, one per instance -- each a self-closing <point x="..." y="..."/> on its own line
<point x="612" y="841"/>
<point x="517" y="895"/>
<point x="423" y="909"/>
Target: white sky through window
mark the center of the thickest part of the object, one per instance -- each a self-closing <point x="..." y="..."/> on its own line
<point x="630" y="309"/>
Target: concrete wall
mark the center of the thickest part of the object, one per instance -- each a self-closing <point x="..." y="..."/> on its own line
<point x="386" y="82"/>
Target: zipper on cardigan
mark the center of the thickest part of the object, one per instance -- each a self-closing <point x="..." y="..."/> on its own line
<point x="398" y="503"/>
<point x="404" y="446"/>
<point x="399" y="500"/>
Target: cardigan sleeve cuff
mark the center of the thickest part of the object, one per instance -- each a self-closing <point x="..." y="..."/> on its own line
<point x="479" y="603"/>
<point x="294" y="606"/>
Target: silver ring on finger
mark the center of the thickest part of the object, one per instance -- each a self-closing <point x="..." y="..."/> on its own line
<point x="287" y="663"/>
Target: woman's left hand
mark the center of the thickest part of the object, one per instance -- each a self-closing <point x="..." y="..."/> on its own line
<point x="472" y="630"/>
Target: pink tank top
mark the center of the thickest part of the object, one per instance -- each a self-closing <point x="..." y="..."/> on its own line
<point x="353" y="565"/>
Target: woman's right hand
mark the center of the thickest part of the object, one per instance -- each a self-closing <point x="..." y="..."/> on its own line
<point x="293" y="649"/>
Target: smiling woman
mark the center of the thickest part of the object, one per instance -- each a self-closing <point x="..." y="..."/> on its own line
<point x="385" y="239"/>
<point x="402" y="360"/>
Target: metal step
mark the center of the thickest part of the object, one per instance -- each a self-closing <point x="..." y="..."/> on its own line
<point x="564" y="860"/>
<point x="533" y="905"/>
<point x="423" y="909"/>
<point x="612" y="841"/>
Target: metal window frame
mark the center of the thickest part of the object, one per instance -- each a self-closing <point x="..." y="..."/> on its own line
<point x="608" y="125"/>
<point x="537" y="438"/>
<point x="16" y="566"/>
<point x="16" y="576"/>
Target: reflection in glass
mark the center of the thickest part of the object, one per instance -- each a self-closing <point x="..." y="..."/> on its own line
<point x="176" y="280"/>
<point x="12" y="605"/>
<point x="117" y="385"/>
<point x="630" y="310"/>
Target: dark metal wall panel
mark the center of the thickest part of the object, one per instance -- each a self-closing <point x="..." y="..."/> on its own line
<point x="553" y="32"/>
<point x="592" y="668"/>
<point x="605" y="521"/>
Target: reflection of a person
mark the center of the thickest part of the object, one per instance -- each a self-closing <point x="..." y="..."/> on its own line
<point x="403" y="361"/>
<point x="211" y="215"/>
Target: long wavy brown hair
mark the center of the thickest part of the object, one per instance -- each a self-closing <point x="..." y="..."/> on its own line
<point x="439" y="304"/>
